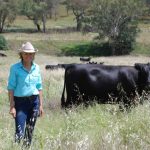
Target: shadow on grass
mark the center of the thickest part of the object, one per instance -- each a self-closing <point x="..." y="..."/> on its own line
<point x="50" y="31"/>
<point x="20" y="30"/>
<point x="88" y="49"/>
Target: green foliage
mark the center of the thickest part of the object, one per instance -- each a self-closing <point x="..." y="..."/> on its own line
<point x="124" y="42"/>
<point x="87" y="49"/>
<point x="78" y="7"/>
<point x="38" y="11"/>
<point x="116" y="21"/>
<point x="3" y="43"/>
<point x="141" y="49"/>
<point x="8" y="11"/>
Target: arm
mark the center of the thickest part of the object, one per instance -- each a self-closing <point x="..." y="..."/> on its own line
<point x="41" y="111"/>
<point x="12" y="103"/>
<point x="11" y="86"/>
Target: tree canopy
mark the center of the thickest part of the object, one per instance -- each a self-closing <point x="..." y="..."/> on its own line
<point x="8" y="12"/>
<point x="116" y="21"/>
<point x="38" y="11"/>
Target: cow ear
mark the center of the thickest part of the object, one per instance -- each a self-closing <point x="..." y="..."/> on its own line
<point x="141" y="67"/>
<point x="138" y="66"/>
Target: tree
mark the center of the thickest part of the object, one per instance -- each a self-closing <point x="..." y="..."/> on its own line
<point x="116" y="21"/>
<point x="3" y="43"/>
<point x="8" y="11"/>
<point x="38" y="11"/>
<point x="148" y="7"/>
<point x="78" y="8"/>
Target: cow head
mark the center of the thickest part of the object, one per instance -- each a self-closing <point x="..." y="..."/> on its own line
<point x="144" y="72"/>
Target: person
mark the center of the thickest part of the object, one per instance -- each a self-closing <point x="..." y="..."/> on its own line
<point x="25" y="94"/>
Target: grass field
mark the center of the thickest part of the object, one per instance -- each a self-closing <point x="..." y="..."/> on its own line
<point x="101" y="127"/>
<point x="94" y="128"/>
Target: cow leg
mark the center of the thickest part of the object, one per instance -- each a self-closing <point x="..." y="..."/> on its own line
<point x="124" y="97"/>
<point x="85" y="99"/>
<point x="76" y="97"/>
<point x="73" y="95"/>
<point x="128" y="101"/>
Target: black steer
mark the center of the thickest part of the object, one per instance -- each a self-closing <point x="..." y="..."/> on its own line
<point x="84" y="59"/>
<point x="54" y="67"/>
<point x="3" y="55"/>
<point x="87" y="82"/>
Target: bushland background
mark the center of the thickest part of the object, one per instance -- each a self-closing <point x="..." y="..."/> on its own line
<point x="93" y="128"/>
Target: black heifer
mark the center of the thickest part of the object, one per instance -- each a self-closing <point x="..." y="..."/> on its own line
<point x="85" y="59"/>
<point x="64" y="66"/>
<point x="54" y="67"/>
<point x="3" y="55"/>
<point x="85" y="82"/>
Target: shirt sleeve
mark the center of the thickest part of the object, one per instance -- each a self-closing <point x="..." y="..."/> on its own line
<point x="39" y="84"/>
<point x="12" y="79"/>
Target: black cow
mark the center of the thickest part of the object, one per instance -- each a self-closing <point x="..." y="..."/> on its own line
<point x="87" y="82"/>
<point x="54" y="67"/>
<point x="64" y="66"/>
<point x="3" y="55"/>
<point x="84" y="59"/>
<point x="94" y="62"/>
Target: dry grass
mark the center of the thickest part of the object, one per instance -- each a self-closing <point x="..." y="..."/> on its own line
<point x="74" y="36"/>
<point x="144" y="36"/>
<point x="99" y="127"/>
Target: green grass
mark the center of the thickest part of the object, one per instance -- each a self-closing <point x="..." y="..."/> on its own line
<point x="142" y="49"/>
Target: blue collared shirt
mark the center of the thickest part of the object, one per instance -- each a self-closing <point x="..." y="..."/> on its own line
<point x="23" y="82"/>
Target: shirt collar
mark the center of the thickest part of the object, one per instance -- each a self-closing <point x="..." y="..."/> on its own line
<point x="32" y="67"/>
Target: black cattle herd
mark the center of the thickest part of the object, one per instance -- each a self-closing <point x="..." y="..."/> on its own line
<point x="96" y="82"/>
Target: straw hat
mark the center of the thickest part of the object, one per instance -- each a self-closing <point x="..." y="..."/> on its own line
<point x="28" y="48"/>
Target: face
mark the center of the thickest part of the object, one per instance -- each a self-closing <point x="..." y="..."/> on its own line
<point x="27" y="57"/>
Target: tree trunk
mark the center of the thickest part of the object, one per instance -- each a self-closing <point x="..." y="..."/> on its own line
<point x="1" y="30"/>
<point x="1" y="27"/>
<point x="112" y="45"/>
<point x="51" y="14"/>
<point x="55" y="15"/>
<point x="67" y="11"/>
<point x="3" y="18"/>
<point x="113" y="49"/>
<point x="44" y="23"/>
<point x="38" y="27"/>
<point x="79" y="24"/>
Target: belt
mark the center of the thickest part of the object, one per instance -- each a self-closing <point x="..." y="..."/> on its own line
<point x="32" y="97"/>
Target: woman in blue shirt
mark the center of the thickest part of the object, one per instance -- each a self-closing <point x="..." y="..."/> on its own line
<point x="25" y="93"/>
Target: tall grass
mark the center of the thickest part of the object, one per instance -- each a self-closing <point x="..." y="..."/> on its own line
<point x="92" y="128"/>
<point x="101" y="127"/>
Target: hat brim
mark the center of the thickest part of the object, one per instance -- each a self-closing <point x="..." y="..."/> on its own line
<point x="28" y="50"/>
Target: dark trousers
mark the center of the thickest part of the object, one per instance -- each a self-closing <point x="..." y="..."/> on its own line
<point x="27" y="109"/>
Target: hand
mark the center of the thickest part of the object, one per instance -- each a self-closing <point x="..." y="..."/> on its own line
<point x="41" y="111"/>
<point x="13" y="112"/>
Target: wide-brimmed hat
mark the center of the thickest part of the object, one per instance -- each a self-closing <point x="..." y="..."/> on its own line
<point x="28" y="48"/>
